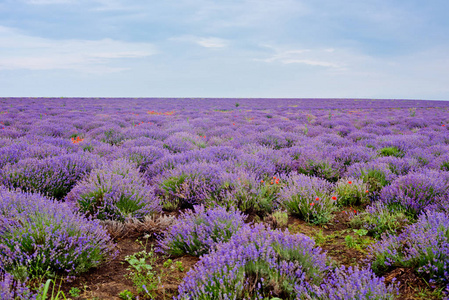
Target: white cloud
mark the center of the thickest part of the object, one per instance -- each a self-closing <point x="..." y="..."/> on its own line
<point x="212" y="42"/>
<point x="317" y="57"/>
<point x="21" y="51"/>
<point x="207" y="42"/>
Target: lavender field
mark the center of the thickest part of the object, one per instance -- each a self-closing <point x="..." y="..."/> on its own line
<point x="223" y="198"/>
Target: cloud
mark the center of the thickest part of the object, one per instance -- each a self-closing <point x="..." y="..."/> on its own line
<point x="207" y="42"/>
<point x="21" y="51"/>
<point x="212" y="42"/>
<point x="316" y="57"/>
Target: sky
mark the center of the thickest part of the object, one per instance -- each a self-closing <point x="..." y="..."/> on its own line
<point x="390" y="49"/>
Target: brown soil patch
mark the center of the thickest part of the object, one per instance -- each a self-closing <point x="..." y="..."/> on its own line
<point x="107" y="281"/>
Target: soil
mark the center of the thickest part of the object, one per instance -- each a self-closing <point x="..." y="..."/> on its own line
<point x="109" y="280"/>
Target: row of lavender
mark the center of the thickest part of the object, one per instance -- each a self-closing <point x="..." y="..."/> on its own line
<point x="115" y="159"/>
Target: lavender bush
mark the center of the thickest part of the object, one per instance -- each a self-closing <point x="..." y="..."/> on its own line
<point x="245" y="192"/>
<point x="115" y="191"/>
<point x="198" y="232"/>
<point x="309" y="198"/>
<point x="378" y="219"/>
<point x="354" y="283"/>
<point x="416" y="191"/>
<point x="376" y="175"/>
<point x="53" y="176"/>
<point x="351" y="191"/>
<point x="211" y="152"/>
<point x="188" y="185"/>
<point x="11" y="289"/>
<point x="423" y="246"/>
<point x="257" y="263"/>
<point x="41" y="236"/>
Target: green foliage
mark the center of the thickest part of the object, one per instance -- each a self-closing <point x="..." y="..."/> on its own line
<point x="126" y="295"/>
<point x="43" y="293"/>
<point x="352" y="192"/>
<point x="279" y="219"/>
<point x="309" y="209"/>
<point x="445" y="166"/>
<point x="251" y="198"/>
<point x="179" y="266"/>
<point x="375" y="179"/>
<point x="237" y="104"/>
<point x="88" y="148"/>
<point x="359" y="242"/>
<point x="75" y="292"/>
<point x="380" y="219"/>
<point x="321" y="169"/>
<point x="391" y="151"/>
<point x="144" y="277"/>
<point x="168" y="263"/>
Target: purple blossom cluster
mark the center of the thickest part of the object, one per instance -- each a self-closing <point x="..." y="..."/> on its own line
<point x="255" y="263"/>
<point x="423" y="246"/>
<point x="115" y="191"/>
<point x="199" y="231"/>
<point x="11" y="289"/>
<point x="122" y="158"/>
<point x="42" y="236"/>
<point x="258" y="263"/>
<point x="53" y="176"/>
<point x="353" y="283"/>
<point x="417" y="191"/>
<point x="310" y="198"/>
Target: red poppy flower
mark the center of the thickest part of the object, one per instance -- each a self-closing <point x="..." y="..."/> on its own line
<point x="350" y="182"/>
<point x="316" y="199"/>
<point x="261" y="181"/>
<point x="334" y="198"/>
<point x="366" y="191"/>
<point x="312" y="204"/>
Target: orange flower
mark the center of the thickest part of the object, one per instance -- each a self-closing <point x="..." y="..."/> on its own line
<point x="261" y="181"/>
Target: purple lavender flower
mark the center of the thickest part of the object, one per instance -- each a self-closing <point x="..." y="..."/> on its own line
<point x="309" y="198"/>
<point x="43" y="236"/>
<point x="11" y="289"/>
<point x="115" y="191"/>
<point x="417" y="190"/>
<point x="273" y="261"/>
<point x="53" y="176"/>
<point x="198" y="232"/>
<point x="424" y="246"/>
<point x="353" y="283"/>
